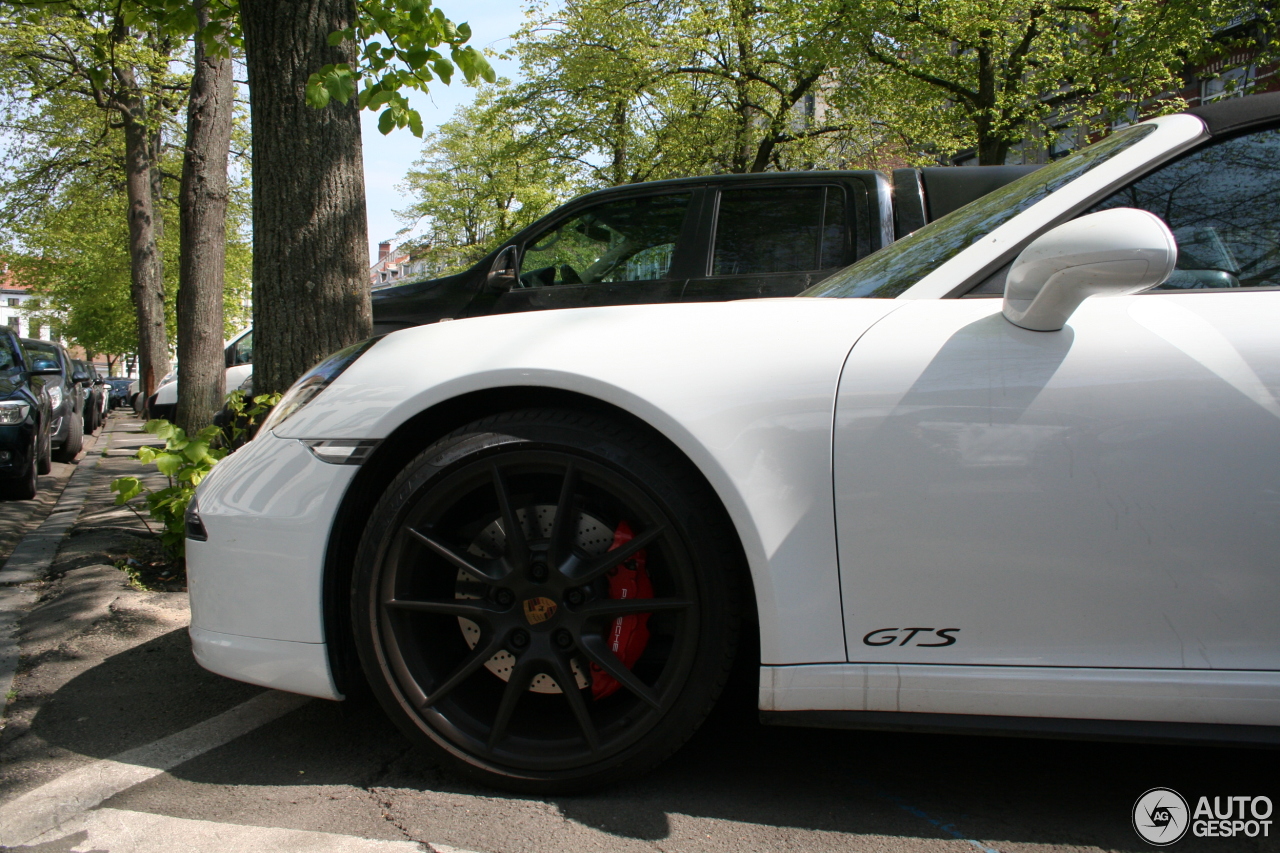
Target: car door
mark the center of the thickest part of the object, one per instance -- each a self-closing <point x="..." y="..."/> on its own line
<point x="1104" y="496"/>
<point x="619" y="252"/>
<point x="776" y="240"/>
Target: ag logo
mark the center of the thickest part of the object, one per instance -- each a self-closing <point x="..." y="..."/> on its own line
<point x="1160" y="816"/>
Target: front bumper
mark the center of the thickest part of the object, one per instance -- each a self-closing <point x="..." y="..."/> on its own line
<point x="256" y="584"/>
<point x="17" y="444"/>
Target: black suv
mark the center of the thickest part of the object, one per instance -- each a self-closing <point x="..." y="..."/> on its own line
<point x="705" y="239"/>
<point x="25" y="417"/>
<point x="65" y="397"/>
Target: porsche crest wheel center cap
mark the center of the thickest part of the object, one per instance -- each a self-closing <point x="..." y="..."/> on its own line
<point x="538" y="610"/>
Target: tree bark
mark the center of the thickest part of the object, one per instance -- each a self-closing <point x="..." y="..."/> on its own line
<point x="310" y="237"/>
<point x="146" y="268"/>
<point x="203" y="224"/>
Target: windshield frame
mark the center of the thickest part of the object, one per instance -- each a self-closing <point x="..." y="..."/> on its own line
<point x="1170" y="136"/>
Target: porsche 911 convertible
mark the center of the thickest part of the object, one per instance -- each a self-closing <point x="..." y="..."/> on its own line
<point x="1015" y="472"/>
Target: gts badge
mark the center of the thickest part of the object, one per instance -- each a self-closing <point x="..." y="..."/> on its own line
<point x="910" y="636"/>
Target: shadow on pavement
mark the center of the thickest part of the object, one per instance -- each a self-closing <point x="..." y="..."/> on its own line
<point x="999" y="790"/>
<point x="135" y="697"/>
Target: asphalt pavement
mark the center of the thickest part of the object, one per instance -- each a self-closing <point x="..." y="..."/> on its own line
<point x="115" y="740"/>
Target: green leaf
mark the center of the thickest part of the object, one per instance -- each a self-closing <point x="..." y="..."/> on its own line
<point x="386" y="122"/>
<point x="168" y="463"/>
<point x="317" y="94"/>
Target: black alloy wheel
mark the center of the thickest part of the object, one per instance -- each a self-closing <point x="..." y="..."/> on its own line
<point x="75" y="438"/>
<point x="488" y="600"/>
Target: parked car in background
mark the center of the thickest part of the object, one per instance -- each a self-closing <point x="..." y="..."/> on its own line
<point x="25" y="418"/>
<point x="238" y="355"/>
<point x="94" y="393"/>
<point x="119" y="395"/>
<point x="705" y="239"/>
<point x="1016" y="472"/>
<point x="65" y="397"/>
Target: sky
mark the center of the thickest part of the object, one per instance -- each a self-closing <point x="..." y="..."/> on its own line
<point x="388" y="158"/>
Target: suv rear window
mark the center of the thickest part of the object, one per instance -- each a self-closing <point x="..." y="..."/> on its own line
<point x="780" y="229"/>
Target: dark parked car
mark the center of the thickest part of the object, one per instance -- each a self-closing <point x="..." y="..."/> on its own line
<point x="64" y="396"/>
<point x="94" y="392"/>
<point x="119" y="391"/>
<point x="706" y="239"/>
<point x="25" y="417"/>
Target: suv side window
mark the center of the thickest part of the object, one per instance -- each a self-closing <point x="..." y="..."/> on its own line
<point x="630" y="239"/>
<point x="1220" y="203"/>
<point x="780" y="229"/>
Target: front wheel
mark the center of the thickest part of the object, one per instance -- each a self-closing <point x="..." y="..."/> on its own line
<point x="75" y="439"/>
<point x="548" y="600"/>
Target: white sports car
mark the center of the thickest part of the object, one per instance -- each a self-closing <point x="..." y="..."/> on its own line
<point x="945" y="487"/>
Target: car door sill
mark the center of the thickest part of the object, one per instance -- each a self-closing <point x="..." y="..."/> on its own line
<point x="1066" y="729"/>
<point x="1233" y="697"/>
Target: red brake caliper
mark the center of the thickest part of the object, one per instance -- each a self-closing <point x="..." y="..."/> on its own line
<point x="628" y="635"/>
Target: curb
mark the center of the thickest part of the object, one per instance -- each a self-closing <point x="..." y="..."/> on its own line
<point x="34" y="554"/>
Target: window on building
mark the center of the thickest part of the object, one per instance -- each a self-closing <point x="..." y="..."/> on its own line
<point x="1231" y="83"/>
<point x="14" y="302"/>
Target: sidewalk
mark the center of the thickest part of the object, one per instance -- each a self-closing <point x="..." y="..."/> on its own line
<point x="72" y="608"/>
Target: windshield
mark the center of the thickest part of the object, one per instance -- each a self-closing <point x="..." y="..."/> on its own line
<point x="890" y="271"/>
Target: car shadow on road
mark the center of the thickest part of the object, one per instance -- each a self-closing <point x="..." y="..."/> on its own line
<point x="734" y="770"/>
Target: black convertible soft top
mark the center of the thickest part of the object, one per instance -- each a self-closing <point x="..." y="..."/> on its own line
<point x="1232" y="114"/>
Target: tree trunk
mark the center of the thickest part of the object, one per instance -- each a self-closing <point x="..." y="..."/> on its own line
<point x="203" y="223"/>
<point x="310" y="237"/>
<point x="146" y="266"/>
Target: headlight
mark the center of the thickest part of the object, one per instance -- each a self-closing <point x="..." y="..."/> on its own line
<point x="313" y="382"/>
<point x="55" y="395"/>
<point x="13" y="412"/>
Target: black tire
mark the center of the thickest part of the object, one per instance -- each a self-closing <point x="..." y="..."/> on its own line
<point x="75" y="439"/>
<point x="446" y="688"/>
<point x="25" y="487"/>
<point x="44" y="461"/>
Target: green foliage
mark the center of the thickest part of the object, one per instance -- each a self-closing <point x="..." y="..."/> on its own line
<point x="246" y="413"/>
<point x="987" y="74"/>
<point x="185" y="461"/>
<point x="641" y="91"/>
<point x="409" y="59"/>
<point x="480" y="179"/>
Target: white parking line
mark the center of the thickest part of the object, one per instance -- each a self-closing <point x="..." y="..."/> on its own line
<point x="56" y="803"/>
<point x="141" y="832"/>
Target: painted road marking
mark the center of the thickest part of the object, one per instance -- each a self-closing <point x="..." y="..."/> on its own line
<point x="54" y="804"/>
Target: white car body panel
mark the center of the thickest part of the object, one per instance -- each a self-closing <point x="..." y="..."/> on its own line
<point x="278" y="664"/>
<point x="1233" y="697"/>
<point x="745" y="390"/>
<point x="167" y="395"/>
<point x="268" y="508"/>
<point x="1107" y="495"/>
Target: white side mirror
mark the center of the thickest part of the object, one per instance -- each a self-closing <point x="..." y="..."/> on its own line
<point x="1112" y="252"/>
